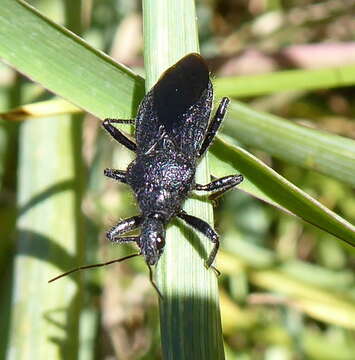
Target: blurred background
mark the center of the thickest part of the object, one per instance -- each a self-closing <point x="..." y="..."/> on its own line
<point x="275" y="268"/>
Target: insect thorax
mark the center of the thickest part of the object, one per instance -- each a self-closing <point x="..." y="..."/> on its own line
<point x="161" y="182"/>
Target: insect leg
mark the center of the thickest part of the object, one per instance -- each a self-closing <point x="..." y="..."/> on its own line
<point x="223" y="184"/>
<point x="118" y="175"/>
<point x="123" y="227"/>
<point x="125" y="239"/>
<point x="205" y="228"/>
<point x="214" y="125"/>
<point x="122" y="121"/>
<point x="117" y="135"/>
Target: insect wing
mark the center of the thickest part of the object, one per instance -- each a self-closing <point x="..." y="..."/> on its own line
<point x="177" y="108"/>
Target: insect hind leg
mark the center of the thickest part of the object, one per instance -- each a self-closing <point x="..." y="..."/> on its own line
<point x="117" y="134"/>
<point x="214" y="125"/>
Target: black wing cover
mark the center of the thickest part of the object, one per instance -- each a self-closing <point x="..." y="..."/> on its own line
<point x="177" y="109"/>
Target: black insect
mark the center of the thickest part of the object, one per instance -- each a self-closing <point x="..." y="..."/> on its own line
<point x="172" y="133"/>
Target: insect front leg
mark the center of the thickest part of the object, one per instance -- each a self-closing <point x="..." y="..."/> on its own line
<point x="117" y="134"/>
<point x="118" y="175"/>
<point x="122" y="227"/>
<point x="214" y="125"/>
<point x="223" y="184"/>
<point x="204" y="228"/>
<point x="121" y="121"/>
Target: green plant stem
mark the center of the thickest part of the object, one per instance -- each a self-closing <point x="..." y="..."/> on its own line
<point x="189" y="312"/>
<point x="49" y="241"/>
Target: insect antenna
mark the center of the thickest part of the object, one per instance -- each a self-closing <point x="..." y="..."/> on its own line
<point x="97" y="265"/>
<point x="153" y="283"/>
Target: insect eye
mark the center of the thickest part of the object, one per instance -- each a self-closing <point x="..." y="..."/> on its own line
<point x="160" y="242"/>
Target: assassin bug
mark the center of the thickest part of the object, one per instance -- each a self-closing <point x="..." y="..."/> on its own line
<point x="172" y="133"/>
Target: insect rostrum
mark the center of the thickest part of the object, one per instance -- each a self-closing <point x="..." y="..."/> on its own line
<point x="172" y="133"/>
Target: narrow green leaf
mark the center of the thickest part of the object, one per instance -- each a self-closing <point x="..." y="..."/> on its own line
<point x="252" y="85"/>
<point x="49" y="241"/>
<point x="65" y="64"/>
<point x="272" y="186"/>
<point x="329" y="154"/>
<point x="52" y="107"/>
<point x="189" y="312"/>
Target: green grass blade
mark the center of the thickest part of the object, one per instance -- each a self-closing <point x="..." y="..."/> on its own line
<point x="65" y="64"/>
<point x="252" y="85"/>
<point x="54" y="106"/>
<point x="272" y="187"/>
<point x="9" y="96"/>
<point x="329" y="154"/>
<point x="190" y="319"/>
<point x="49" y="241"/>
